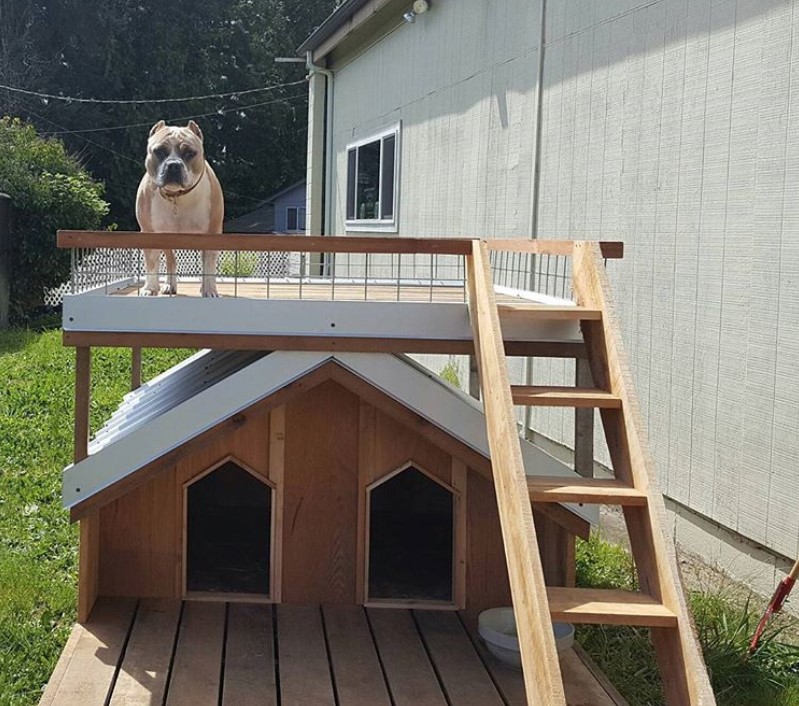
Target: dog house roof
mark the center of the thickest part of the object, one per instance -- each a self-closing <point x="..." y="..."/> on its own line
<point x="212" y="386"/>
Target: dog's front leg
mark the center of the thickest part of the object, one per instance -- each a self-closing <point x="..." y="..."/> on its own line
<point x="208" y="286"/>
<point x="171" y="286"/>
<point x="151" y="260"/>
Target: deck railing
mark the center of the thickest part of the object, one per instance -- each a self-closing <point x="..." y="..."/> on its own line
<point x="344" y="267"/>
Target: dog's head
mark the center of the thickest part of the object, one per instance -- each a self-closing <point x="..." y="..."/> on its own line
<point x="175" y="159"/>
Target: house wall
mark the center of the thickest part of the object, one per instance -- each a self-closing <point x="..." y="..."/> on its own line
<point x="668" y="124"/>
<point x="334" y="445"/>
<point x="294" y="197"/>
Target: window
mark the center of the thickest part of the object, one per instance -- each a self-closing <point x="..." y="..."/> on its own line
<point x="372" y="166"/>
<point x="295" y="219"/>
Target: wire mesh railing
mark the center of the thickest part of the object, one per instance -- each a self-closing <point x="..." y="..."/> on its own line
<point x="400" y="269"/>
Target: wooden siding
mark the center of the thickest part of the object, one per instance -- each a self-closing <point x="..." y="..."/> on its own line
<point x="321" y="451"/>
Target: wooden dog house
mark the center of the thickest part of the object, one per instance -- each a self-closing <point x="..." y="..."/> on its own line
<point x="302" y="514"/>
<point x="301" y="478"/>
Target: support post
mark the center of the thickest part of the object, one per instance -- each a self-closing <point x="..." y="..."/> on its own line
<point x="135" y="368"/>
<point x="89" y="551"/>
<point x="584" y="424"/>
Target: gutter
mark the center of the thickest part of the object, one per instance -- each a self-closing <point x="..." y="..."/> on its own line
<point x="536" y="179"/>
<point x="328" y="177"/>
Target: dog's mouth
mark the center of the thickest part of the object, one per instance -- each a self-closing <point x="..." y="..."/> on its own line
<point x="172" y="174"/>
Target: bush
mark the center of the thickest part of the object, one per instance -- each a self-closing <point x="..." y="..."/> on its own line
<point x="50" y="191"/>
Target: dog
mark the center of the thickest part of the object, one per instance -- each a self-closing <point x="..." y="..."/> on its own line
<point x="179" y="193"/>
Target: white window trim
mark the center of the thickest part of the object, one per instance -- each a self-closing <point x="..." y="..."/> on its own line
<point x="373" y="225"/>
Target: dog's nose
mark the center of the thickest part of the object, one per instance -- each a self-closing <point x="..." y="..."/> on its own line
<point x="173" y="167"/>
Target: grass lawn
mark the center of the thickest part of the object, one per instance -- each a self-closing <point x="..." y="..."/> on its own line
<point x="37" y="543"/>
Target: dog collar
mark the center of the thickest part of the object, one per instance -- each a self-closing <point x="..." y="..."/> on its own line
<point x="174" y="195"/>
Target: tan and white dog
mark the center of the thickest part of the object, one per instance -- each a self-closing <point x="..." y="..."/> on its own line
<point x="179" y="193"/>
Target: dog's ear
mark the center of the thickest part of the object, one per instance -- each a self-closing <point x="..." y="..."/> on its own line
<point x="155" y="128"/>
<point x="195" y="128"/>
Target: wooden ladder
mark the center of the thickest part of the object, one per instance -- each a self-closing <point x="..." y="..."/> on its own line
<point x="659" y="604"/>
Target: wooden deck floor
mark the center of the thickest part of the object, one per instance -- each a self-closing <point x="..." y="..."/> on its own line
<point x="198" y="653"/>
<point x="319" y="291"/>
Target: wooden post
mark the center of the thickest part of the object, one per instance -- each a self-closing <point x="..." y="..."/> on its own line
<point x="89" y="552"/>
<point x="277" y="465"/>
<point x="135" y="368"/>
<point x="584" y="425"/>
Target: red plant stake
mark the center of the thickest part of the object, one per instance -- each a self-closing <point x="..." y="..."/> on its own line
<point x="775" y="604"/>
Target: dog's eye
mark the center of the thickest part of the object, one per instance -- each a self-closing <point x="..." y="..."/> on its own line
<point x="160" y="153"/>
<point x="189" y="154"/>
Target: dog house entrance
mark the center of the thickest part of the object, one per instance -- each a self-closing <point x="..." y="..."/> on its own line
<point x="410" y="538"/>
<point x="228" y="525"/>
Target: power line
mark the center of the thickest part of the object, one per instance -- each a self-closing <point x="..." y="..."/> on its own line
<point x="222" y="111"/>
<point x="64" y="130"/>
<point x="141" y="101"/>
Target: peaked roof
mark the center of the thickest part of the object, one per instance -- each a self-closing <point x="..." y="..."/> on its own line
<point x="212" y="386"/>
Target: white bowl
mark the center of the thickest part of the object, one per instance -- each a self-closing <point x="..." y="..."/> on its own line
<point x="497" y="627"/>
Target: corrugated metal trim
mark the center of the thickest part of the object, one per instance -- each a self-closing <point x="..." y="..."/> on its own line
<point x="167" y="391"/>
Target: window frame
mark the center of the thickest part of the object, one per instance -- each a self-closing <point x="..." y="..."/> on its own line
<point x="365" y="225"/>
<point x="299" y="210"/>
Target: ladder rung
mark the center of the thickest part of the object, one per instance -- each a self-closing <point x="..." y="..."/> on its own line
<point x="537" y="396"/>
<point x="603" y="491"/>
<point x="608" y="607"/>
<point x="540" y="312"/>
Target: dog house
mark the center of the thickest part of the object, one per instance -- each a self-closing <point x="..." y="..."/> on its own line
<point x="307" y="478"/>
<point x="323" y="523"/>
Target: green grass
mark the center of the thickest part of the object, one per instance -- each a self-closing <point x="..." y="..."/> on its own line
<point x="37" y="543"/>
<point x="724" y="621"/>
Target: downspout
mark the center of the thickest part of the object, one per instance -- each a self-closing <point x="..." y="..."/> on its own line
<point x="328" y="186"/>
<point x="536" y="178"/>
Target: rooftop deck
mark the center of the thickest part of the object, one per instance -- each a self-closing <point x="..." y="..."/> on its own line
<point x="154" y="652"/>
<point x="338" y="293"/>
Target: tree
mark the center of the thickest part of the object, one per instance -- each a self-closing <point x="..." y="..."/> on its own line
<point x="50" y="190"/>
<point x="117" y="49"/>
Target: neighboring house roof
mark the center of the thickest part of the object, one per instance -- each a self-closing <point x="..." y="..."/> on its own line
<point x="213" y="386"/>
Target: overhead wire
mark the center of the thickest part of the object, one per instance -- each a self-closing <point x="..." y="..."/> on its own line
<point x="143" y="101"/>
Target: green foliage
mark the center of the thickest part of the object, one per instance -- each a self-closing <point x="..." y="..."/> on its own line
<point x="241" y="264"/>
<point x="115" y="49"/>
<point x="450" y="373"/>
<point x="724" y="623"/>
<point x="49" y="190"/>
<point x="37" y="542"/>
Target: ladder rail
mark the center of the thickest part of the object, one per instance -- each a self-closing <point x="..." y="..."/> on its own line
<point x="542" y="676"/>
<point x="685" y="678"/>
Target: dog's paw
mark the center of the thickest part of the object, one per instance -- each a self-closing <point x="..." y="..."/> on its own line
<point x="169" y="289"/>
<point x="149" y="292"/>
<point x="209" y="293"/>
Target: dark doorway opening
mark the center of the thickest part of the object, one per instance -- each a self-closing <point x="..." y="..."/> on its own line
<point x="410" y="539"/>
<point x="228" y="518"/>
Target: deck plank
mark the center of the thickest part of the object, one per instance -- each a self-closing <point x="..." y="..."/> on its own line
<point x="197" y="667"/>
<point x="249" y="657"/>
<point x="145" y="667"/>
<point x="85" y="674"/>
<point x="358" y="677"/>
<point x="304" y="669"/>
<point x="410" y="675"/>
<point x="463" y="676"/>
